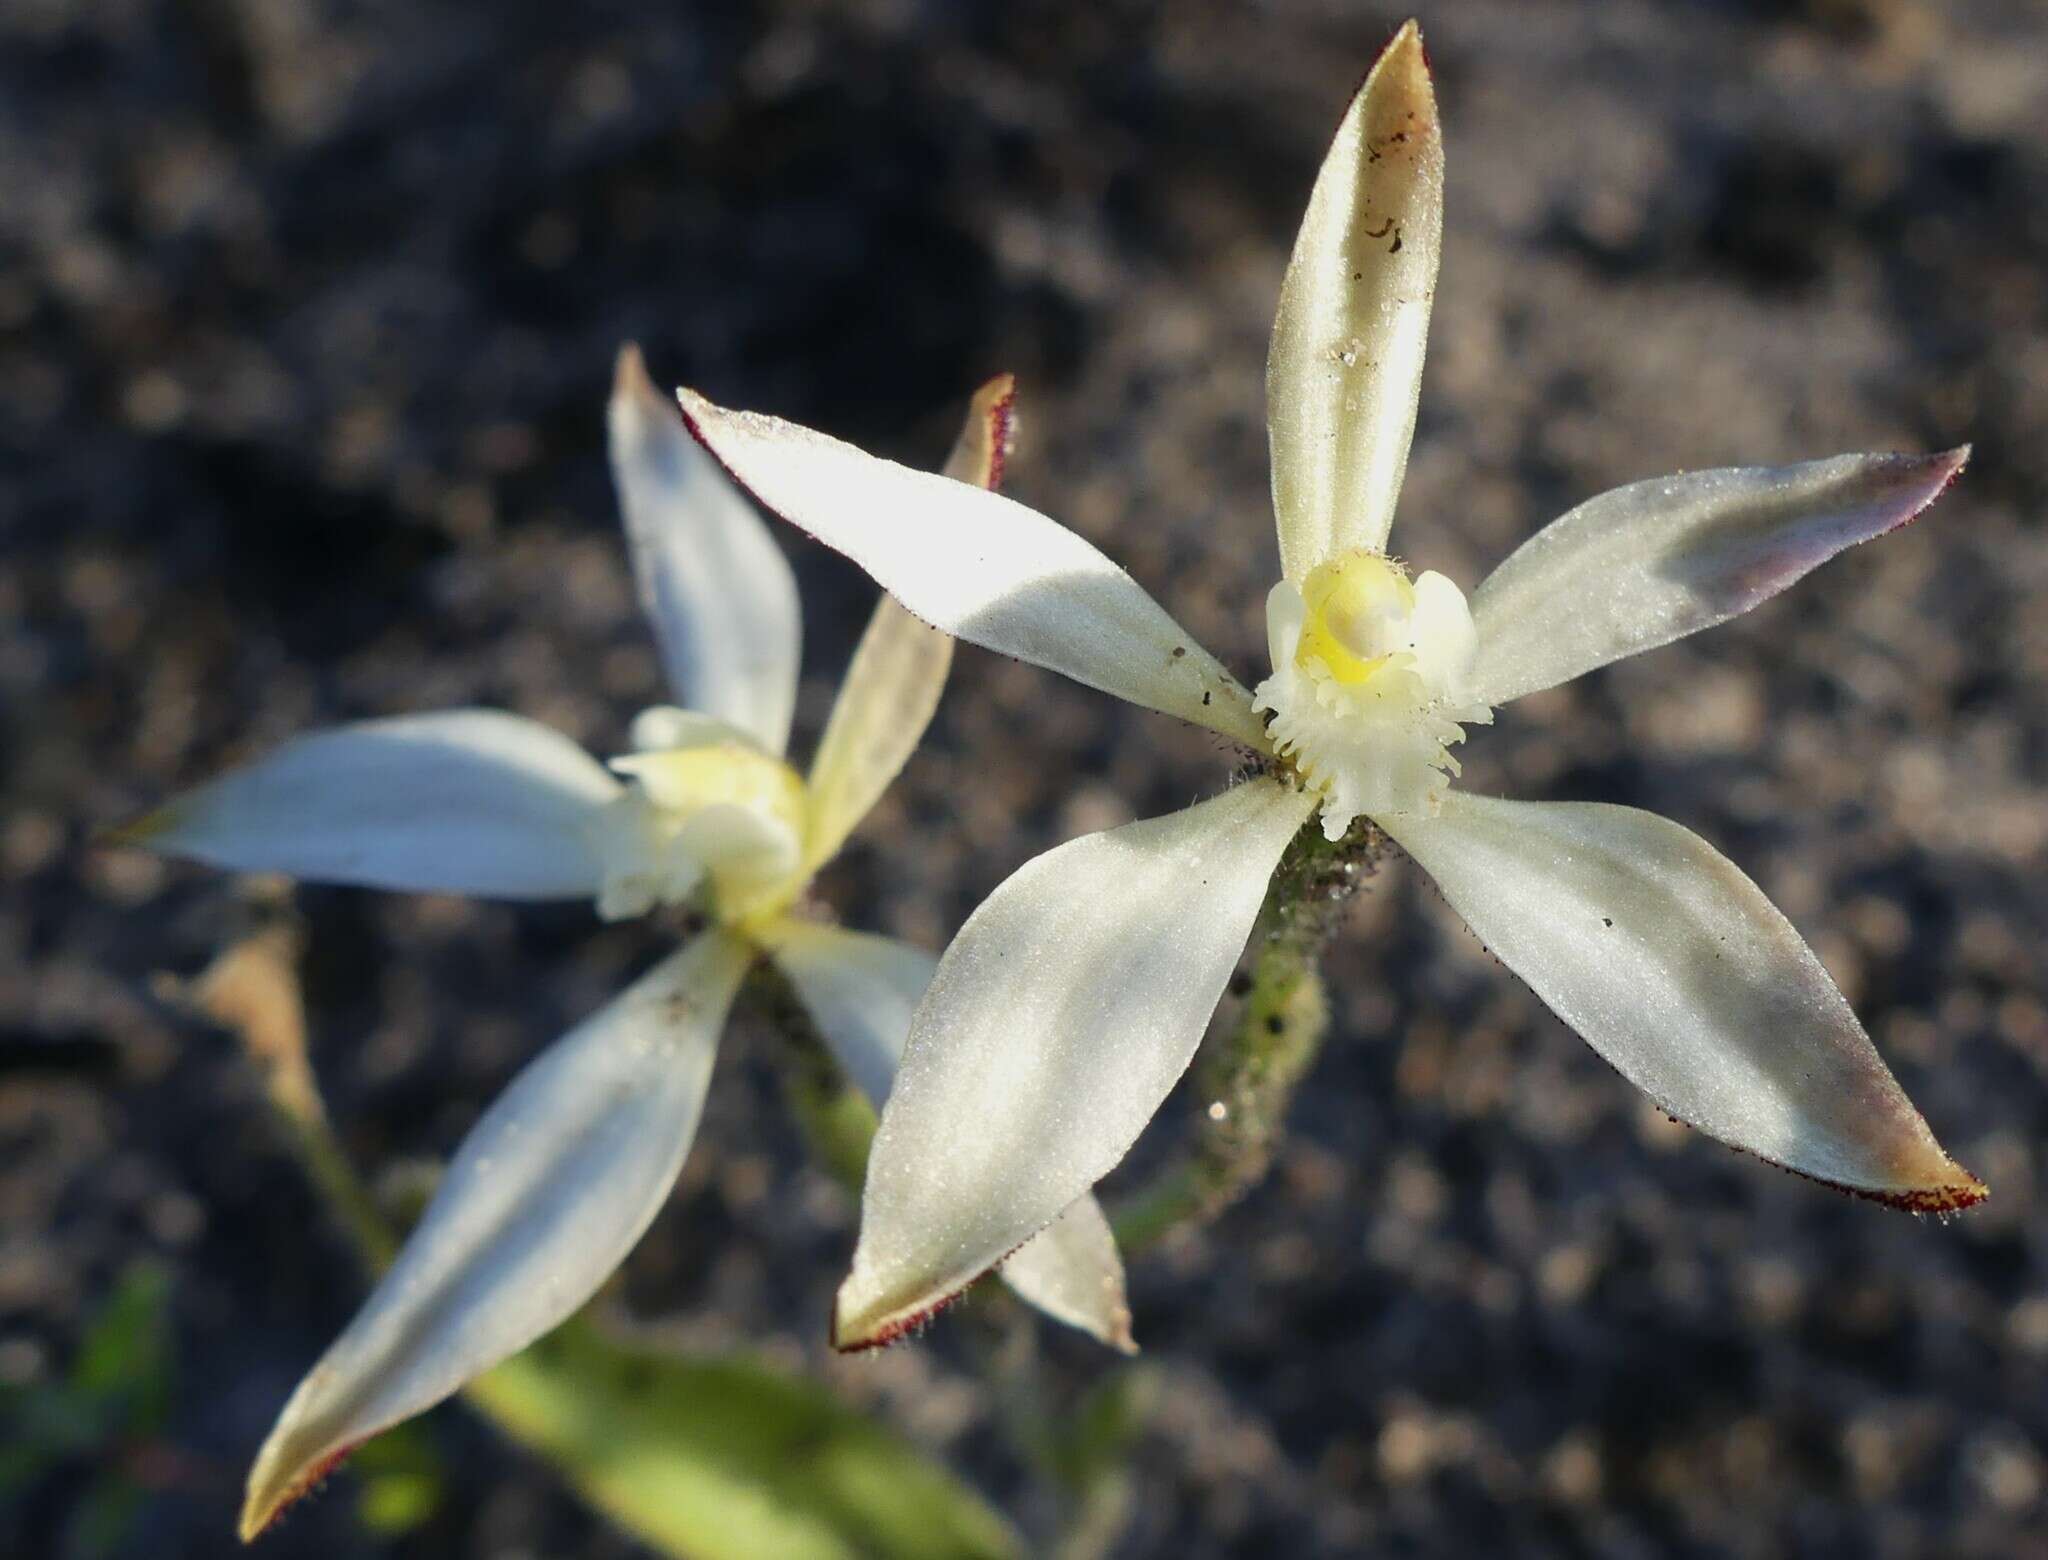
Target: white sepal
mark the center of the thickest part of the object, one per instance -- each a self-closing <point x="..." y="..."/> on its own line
<point x="1687" y="980"/>
<point x="1654" y="561"/>
<point x="859" y="989"/>
<point x="1058" y="1020"/>
<point x="892" y="687"/>
<point x="552" y="1188"/>
<point x="1344" y="370"/>
<point x="714" y="584"/>
<point x="460" y="802"/>
<point x="860" y="992"/>
<point x="1072" y="1271"/>
<point x="980" y="566"/>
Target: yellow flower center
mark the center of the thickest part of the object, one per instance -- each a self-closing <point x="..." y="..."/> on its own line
<point x="1367" y="688"/>
<point x="1358" y="610"/>
<point x="719" y="774"/>
<point x="722" y="811"/>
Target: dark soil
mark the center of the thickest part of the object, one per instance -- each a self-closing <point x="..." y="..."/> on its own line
<point x="307" y="311"/>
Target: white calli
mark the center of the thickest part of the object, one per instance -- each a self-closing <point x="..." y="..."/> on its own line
<point x="1077" y="994"/>
<point x="561" y="1176"/>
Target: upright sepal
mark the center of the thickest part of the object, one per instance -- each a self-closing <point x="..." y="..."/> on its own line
<point x="1678" y="971"/>
<point x="716" y="588"/>
<point x="1072" y="1271"/>
<point x="1344" y="371"/>
<point x="893" y="685"/>
<point x="552" y="1188"/>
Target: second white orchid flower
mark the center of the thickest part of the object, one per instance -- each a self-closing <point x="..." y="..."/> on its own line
<point x="1076" y="995"/>
<point x="562" y="1175"/>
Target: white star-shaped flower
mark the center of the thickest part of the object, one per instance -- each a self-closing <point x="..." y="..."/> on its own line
<point x="560" y="1177"/>
<point x="1075" y="996"/>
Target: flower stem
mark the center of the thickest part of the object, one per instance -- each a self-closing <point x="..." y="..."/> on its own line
<point x="252" y="989"/>
<point x="335" y="1179"/>
<point x="835" y="1118"/>
<point x="1246" y="1075"/>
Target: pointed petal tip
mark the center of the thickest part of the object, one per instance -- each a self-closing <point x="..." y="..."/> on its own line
<point x="1941" y="470"/>
<point x="699" y="409"/>
<point x="1952" y="463"/>
<point x="139" y="831"/>
<point x="1120" y="1338"/>
<point x="275" y="1486"/>
<point x="1931" y="1183"/>
<point x="982" y="452"/>
<point x="1955" y="1190"/>
<point x="633" y="386"/>
<point x="1406" y="50"/>
<point x="1407" y="46"/>
<point x="995" y="404"/>
<point x="876" y="1326"/>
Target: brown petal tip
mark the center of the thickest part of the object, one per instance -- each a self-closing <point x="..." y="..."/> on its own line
<point x="995" y="405"/>
<point x="892" y="1329"/>
<point x="1951" y="1198"/>
<point x="263" y="1512"/>
<point x="1940" y="1197"/>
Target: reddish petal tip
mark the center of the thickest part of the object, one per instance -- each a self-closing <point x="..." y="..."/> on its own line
<point x="259" y="1516"/>
<point x="893" y="1329"/>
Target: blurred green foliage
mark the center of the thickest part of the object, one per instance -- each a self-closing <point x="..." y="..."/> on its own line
<point x="96" y="1421"/>
<point x="721" y="1458"/>
<point x="404" y="1480"/>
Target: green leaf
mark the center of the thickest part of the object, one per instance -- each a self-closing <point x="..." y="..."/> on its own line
<point x="403" y="1480"/>
<point x="708" y="1459"/>
<point x="124" y="1359"/>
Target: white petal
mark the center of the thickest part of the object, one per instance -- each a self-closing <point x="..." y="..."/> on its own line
<point x="1286" y="614"/>
<point x="1058" y="1020"/>
<point x="1344" y="370"/>
<point x="891" y="690"/>
<point x="899" y="671"/>
<point x="979" y="566"/>
<point x="550" y="1191"/>
<point x="1678" y="971"/>
<point x="1655" y="561"/>
<point x="1072" y="1271"/>
<point x="860" y="991"/>
<point x="461" y="802"/>
<point x="713" y="582"/>
<point x="885" y="703"/>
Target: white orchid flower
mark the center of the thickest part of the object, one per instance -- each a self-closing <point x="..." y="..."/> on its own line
<point x="561" y="1176"/>
<point x="1076" y="995"/>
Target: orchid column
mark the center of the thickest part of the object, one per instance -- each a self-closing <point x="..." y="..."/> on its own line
<point x="1073" y="999"/>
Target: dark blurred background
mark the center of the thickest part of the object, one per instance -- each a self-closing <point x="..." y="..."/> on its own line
<point x="307" y="312"/>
